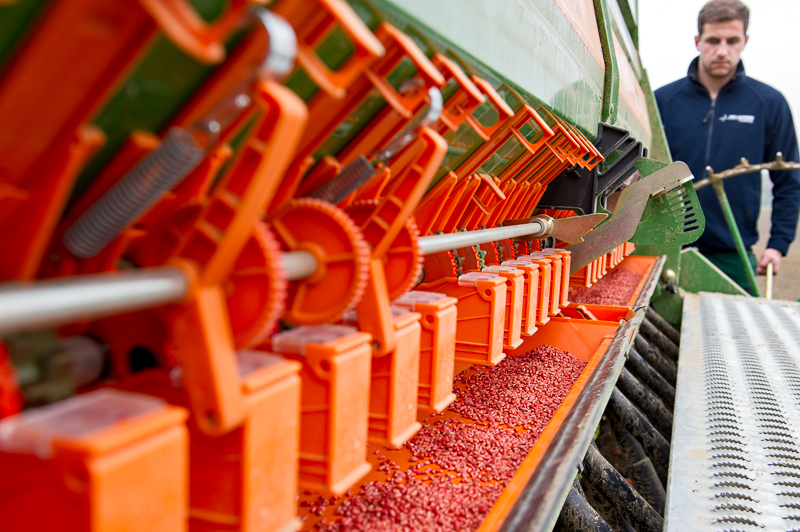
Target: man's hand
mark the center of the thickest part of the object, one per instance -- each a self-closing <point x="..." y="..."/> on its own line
<point x="770" y="255"/>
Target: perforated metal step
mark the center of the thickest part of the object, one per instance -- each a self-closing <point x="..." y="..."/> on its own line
<point x="735" y="459"/>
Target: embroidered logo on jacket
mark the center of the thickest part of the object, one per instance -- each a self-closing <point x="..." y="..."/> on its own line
<point x="743" y="119"/>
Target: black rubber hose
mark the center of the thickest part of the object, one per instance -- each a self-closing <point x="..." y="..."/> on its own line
<point x="663" y="325"/>
<point x="631" y="449"/>
<point x="639" y="468"/>
<point x="645" y="479"/>
<point x="654" y="357"/>
<point x="654" y="444"/>
<point x="659" y="339"/>
<point x="626" y="500"/>
<point x="605" y="509"/>
<point x="577" y="515"/>
<point x="651" y="378"/>
<point x="647" y="402"/>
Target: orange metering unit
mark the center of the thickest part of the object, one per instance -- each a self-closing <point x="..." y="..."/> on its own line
<point x="530" y="297"/>
<point x="544" y="289"/>
<point x="481" y="315"/>
<point x="515" y="283"/>
<point x="245" y="479"/>
<point x="394" y="385"/>
<point x="555" y="278"/>
<point x="106" y="460"/>
<point x="334" y="402"/>
<point x="437" y="347"/>
<point x="566" y="261"/>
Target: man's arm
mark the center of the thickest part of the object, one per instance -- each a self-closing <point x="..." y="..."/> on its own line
<point x="781" y="137"/>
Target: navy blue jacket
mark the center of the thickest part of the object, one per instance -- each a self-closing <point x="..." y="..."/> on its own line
<point x="748" y="119"/>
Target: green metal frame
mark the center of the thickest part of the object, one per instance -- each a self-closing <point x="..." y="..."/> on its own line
<point x="719" y="188"/>
<point x="611" y="84"/>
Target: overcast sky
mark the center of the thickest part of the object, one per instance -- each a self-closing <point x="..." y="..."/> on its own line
<point x="666" y="42"/>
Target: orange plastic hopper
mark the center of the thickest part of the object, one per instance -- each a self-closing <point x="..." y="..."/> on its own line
<point x="394" y="388"/>
<point x="437" y="347"/>
<point x="481" y="314"/>
<point x="104" y="461"/>
<point x="335" y="403"/>
<point x="245" y="479"/>
<point x="530" y="297"/>
<point x="515" y="284"/>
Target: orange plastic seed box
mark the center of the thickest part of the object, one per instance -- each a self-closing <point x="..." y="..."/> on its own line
<point x="437" y="347"/>
<point x="481" y="314"/>
<point x="335" y="402"/>
<point x="515" y="285"/>
<point x="106" y="461"/>
<point x="394" y="387"/>
<point x="555" y="279"/>
<point x="544" y="289"/>
<point x="530" y="298"/>
<point x="245" y="479"/>
<point x="395" y="377"/>
<point x="566" y="262"/>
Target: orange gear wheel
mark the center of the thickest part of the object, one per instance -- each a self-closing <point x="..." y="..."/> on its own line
<point x="403" y="261"/>
<point x="507" y="249"/>
<point x="312" y="225"/>
<point x="440" y="265"/>
<point x="256" y="288"/>
<point x="469" y="258"/>
<point x="493" y="253"/>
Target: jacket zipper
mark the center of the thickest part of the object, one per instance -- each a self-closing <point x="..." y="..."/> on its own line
<point x="709" y="116"/>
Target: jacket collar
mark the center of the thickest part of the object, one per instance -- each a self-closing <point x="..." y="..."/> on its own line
<point x="695" y="80"/>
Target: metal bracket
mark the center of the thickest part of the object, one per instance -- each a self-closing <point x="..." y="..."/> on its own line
<point x="579" y="189"/>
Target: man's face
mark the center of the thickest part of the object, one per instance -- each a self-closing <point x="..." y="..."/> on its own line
<point x="720" y="46"/>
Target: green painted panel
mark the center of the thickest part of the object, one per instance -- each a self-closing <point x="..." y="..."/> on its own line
<point x="530" y="44"/>
<point x="698" y="274"/>
<point x="164" y="79"/>
<point x="15" y="21"/>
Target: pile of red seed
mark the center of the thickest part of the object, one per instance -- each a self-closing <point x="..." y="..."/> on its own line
<point x="523" y="390"/>
<point x="477" y="452"/>
<point x="510" y="404"/>
<point x="441" y="504"/>
<point x="614" y="289"/>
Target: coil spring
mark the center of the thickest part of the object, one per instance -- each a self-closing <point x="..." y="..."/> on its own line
<point x="134" y="194"/>
<point x="350" y="179"/>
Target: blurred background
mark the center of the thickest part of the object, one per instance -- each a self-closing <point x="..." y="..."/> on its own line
<point x="666" y="45"/>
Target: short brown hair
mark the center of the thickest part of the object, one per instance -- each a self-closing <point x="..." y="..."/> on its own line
<point x="723" y="11"/>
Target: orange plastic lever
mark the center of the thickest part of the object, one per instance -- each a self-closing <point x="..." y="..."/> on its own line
<point x="313" y="25"/>
<point x="187" y="29"/>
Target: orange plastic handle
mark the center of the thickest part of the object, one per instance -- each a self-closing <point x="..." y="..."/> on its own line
<point x="402" y="46"/>
<point x="184" y="27"/>
<point x="465" y="100"/>
<point x="315" y="23"/>
<point x="237" y="201"/>
<point x="504" y="111"/>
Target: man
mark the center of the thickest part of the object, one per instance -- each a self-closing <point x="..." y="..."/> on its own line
<point x="717" y="115"/>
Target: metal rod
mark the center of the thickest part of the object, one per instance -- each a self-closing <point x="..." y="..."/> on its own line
<point x="737" y="237"/>
<point x="299" y="264"/>
<point x="438" y="243"/>
<point x="60" y="301"/>
<point x="769" y="280"/>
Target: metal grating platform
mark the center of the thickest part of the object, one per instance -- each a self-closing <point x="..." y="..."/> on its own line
<point x="735" y="460"/>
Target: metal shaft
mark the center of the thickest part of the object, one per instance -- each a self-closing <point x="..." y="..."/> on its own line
<point x="438" y="243"/>
<point x="60" y="301"/>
